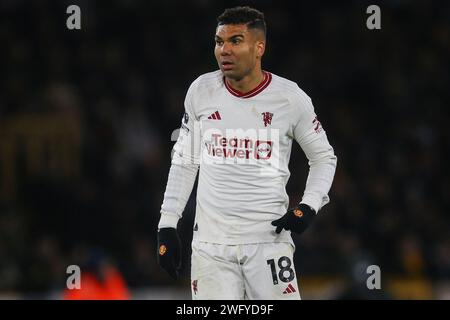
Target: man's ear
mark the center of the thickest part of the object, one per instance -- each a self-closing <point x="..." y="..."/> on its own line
<point x="260" y="48"/>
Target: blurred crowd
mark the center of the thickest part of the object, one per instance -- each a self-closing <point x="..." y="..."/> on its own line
<point x="87" y="116"/>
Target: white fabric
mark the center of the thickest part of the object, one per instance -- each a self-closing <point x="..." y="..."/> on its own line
<point x="243" y="272"/>
<point x="243" y="155"/>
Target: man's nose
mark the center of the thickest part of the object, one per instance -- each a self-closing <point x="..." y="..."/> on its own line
<point x="226" y="49"/>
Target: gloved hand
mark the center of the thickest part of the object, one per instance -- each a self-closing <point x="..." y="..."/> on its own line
<point x="169" y="251"/>
<point x="296" y="219"/>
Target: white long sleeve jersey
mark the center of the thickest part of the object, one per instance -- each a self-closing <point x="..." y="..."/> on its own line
<point x="241" y="144"/>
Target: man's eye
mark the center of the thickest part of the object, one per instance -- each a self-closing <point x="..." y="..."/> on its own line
<point x="236" y="41"/>
<point x="219" y="42"/>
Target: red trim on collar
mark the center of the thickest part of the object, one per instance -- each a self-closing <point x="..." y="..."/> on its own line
<point x="264" y="83"/>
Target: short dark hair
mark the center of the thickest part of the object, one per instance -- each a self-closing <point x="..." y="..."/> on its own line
<point x="254" y="19"/>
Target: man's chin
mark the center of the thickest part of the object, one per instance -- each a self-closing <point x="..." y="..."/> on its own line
<point x="231" y="74"/>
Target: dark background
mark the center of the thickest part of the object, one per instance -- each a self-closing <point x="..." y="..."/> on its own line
<point x="86" y="118"/>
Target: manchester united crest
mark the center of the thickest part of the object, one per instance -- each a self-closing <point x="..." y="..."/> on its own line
<point x="267" y="118"/>
<point x="194" y="286"/>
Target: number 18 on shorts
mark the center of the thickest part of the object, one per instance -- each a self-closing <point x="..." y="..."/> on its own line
<point x="238" y="272"/>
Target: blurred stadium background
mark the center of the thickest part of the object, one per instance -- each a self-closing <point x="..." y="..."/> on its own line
<point x="86" y="119"/>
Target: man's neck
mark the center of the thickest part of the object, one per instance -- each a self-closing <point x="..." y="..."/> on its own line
<point x="249" y="82"/>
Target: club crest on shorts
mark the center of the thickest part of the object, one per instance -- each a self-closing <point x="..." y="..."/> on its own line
<point x="267" y="118"/>
<point x="194" y="286"/>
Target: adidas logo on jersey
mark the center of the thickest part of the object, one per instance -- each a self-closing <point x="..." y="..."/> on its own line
<point x="215" y="116"/>
<point x="290" y="289"/>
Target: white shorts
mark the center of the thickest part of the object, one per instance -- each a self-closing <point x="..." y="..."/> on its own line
<point x="260" y="271"/>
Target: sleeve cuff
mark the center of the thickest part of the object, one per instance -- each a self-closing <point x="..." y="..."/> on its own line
<point x="312" y="202"/>
<point x="168" y="221"/>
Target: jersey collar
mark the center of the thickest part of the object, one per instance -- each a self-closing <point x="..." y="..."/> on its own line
<point x="264" y="83"/>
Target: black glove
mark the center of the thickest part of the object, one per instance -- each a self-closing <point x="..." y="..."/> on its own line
<point x="169" y="251"/>
<point x="296" y="219"/>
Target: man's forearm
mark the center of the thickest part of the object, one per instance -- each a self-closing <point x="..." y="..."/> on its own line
<point x="179" y="187"/>
<point x="321" y="173"/>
